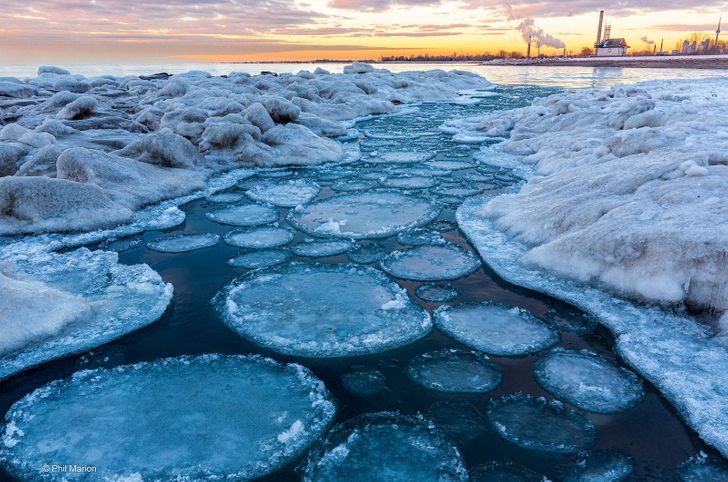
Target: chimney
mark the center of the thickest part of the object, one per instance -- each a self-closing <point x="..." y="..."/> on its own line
<point x="528" y="50"/>
<point x="599" y="30"/>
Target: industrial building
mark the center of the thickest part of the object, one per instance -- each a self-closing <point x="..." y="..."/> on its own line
<point x="608" y="47"/>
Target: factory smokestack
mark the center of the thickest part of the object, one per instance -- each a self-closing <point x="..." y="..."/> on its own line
<point x="528" y="51"/>
<point x="599" y="29"/>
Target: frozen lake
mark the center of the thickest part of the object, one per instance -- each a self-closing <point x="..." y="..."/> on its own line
<point x="473" y="400"/>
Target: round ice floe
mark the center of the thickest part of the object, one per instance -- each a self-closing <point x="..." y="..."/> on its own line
<point x="266" y="237"/>
<point x="538" y="424"/>
<point x="401" y="157"/>
<point x="588" y="381"/>
<point x="180" y="243"/>
<point x="702" y="468"/>
<point x="285" y="194"/>
<point x="333" y="174"/>
<point x="459" y="419"/>
<point x="431" y="263"/>
<point x="601" y="466"/>
<point x="376" y="214"/>
<point x="385" y="446"/>
<point x="364" y="383"/>
<point x="458" y="191"/>
<point x="458" y="371"/>
<point x="353" y="185"/>
<point x="503" y="471"/>
<point x="409" y="182"/>
<point x="319" y="249"/>
<point x="323" y="311"/>
<point x="420" y="237"/>
<point x="450" y="165"/>
<point x="244" y="215"/>
<point x="226" y="197"/>
<point x="436" y="293"/>
<point x="263" y="258"/>
<point x="189" y="418"/>
<point x="367" y="253"/>
<point x="495" y="329"/>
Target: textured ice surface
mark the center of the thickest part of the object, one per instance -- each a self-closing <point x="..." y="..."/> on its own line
<point x="367" y="253"/>
<point x="451" y="370"/>
<point x="287" y="194"/>
<point x="351" y="185"/>
<point x="450" y="165"/>
<point x="588" y="381"/>
<point x="245" y="215"/>
<point x="702" y="468"/>
<point x="457" y="190"/>
<point x="538" y="424"/>
<point x="420" y="237"/>
<point x="669" y="349"/>
<point x="319" y="249"/>
<point x="437" y="293"/>
<point x="121" y="244"/>
<point x="364" y="383"/>
<point x="265" y="237"/>
<point x="385" y="446"/>
<point x="376" y="214"/>
<point x="495" y="329"/>
<point x="431" y="263"/>
<point x="503" y="471"/>
<point x="401" y="157"/>
<point x="409" y="182"/>
<point x="601" y="466"/>
<point x="263" y="258"/>
<point x="189" y="418"/>
<point x="54" y="305"/>
<point x="460" y="420"/>
<point x="179" y="243"/>
<point x="226" y="197"/>
<point x="322" y="311"/>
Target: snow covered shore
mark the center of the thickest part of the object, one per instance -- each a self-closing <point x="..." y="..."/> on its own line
<point x="626" y="196"/>
<point x="79" y="153"/>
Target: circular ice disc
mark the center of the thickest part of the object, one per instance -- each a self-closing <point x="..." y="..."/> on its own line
<point x="495" y="329"/>
<point x="265" y="237"/>
<point x="188" y="418"/>
<point x="323" y="311"/>
<point x="601" y="466"/>
<point x="401" y="157"/>
<point x="385" y="447"/>
<point x="409" y="182"/>
<point x="431" y="263"/>
<point x="535" y="423"/>
<point x="458" y="371"/>
<point x="263" y="258"/>
<point x="353" y="185"/>
<point x="180" y="243"/>
<point x="375" y="214"/>
<point x="226" y="197"/>
<point x="588" y="381"/>
<point x="320" y="249"/>
<point x="244" y="215"/>
<point x="450" y="165"/>
<point x="436" y="293"/>
<point x="286" y="194"/>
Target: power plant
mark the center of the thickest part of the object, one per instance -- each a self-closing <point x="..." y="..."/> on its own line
<point x="607" y="46"/>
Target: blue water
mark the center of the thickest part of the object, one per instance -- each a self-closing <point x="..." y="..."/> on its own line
<point x="650" y="432"/>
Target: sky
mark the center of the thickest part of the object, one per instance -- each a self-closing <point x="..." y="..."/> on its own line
<point x="109" y="31"/>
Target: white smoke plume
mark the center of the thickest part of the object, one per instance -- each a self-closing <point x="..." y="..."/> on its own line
<point x="528" y="29"/>
<point x="648" y="41"/>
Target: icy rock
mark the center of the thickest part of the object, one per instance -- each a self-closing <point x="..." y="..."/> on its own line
<point x="281" y="110"/>
<point x="385" y="446"/>
<point x="16" y="89"/>
<point x="182" y="243"/>
<point x="163" y="148"/>
<point x="83" y="106"/>
<point x="364" y="383"/>
<point x="293" y="144"/>
<point x="319" y="249"/>
<point x="358" y="68"/>
<point x="52" y="69"/>
<point x="377" y="214"/>
<point x="601" y="466"/>
<point x="437" y="293"/>
<point x="587" y="381"/>
<point x="495" y="329"/>
<point x="503" y="471"/>
<point x="264" y="258"/>
<point x="10" y="154"/>
<point x="537" y="424"/>
<point x="37" y="204"/>
<point x="285" y="194"/>
<point x="322" y="311"/>
<point x="153" y="421"/>
<point x="257" y="115"/>
<point x="12" y="132"/>
<point x="431" y="263"/>
<point x="54" y="305"/>
<point x="265" y="237"/>
<point x="457" y="371"/>
<point x="321" y="127"/>
<point x="244" y="215"/>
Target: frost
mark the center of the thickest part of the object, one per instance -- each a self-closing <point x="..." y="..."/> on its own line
<point x="457" y="371"/>
<point x="431" y="263"/>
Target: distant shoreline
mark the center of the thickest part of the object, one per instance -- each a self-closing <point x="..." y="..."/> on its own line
<point x="696" y="62"/>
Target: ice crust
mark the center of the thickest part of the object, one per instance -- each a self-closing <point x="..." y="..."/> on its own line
<point x="127" y="142"/>
<point x="207" y="417"/>
<point x="457" y="371"/>
<point x="431" y="263"/>
<point x="322" y="311"/>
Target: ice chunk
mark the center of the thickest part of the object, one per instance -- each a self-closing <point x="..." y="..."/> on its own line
<point x="450" y="165"/>
<point x="409" y="182"/>
<point x="367" y="253"/>
<point x="263" y="258"/>
<point x="319" y="249"/>
<point x="163" y="148"/>
<point x="601" y="466"/>
<point x="181" y="243"/>
<point x="364" y="383"/>
<point x="458" y="371"/>
<point x="538" y="424"/>
<point x="437" y="293"/>
<point x="702" y="468"/>
<point x="431" y="263"/>
<point x="458" y="190"/>
<point x="150" y="420"/>
<point x="244" y="215"/>
<point x="376" y="214"/>
<point x="420" y="237"/>
<point x="322" y="311"/>
<point x="495" y="329"/>
<point x="287" y="194"/>
<point x="265" y="237"/>
<point x="83" y="106"/>
<point x="503" y="471"/>
<point x="401" y="157"/>
<point x="358" y="68"/>
<point x="226" y="197"/>
<point x="588" y="381"/>
<point x="351" y="185"/>
<point x="54" y="304"/>
<point x="121" y="244"/>
<point x="385" y="446"/>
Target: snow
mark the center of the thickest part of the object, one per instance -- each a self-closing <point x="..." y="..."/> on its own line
<point x="431" y="263"/>
<point x="264" y="258"/>
<point x="588" y="381"/>
<point x="322" y="311"/>
<point x="146" y="420"/>
<point x="385" y="446"/>
<point x="265" y="237"/>
<point x="436" y="293"/>
<point x="244" y="215"/>
<point x="181" y="243"/>
<point x="456" y="371"/>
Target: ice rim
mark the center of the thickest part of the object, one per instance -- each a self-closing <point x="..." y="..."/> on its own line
<point x="322" y="405"/>
<point x="667" y="348"/>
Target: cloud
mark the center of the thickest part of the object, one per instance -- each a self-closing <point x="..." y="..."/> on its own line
<point x="379" y="5"/>
<point x="686" y="27"/>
